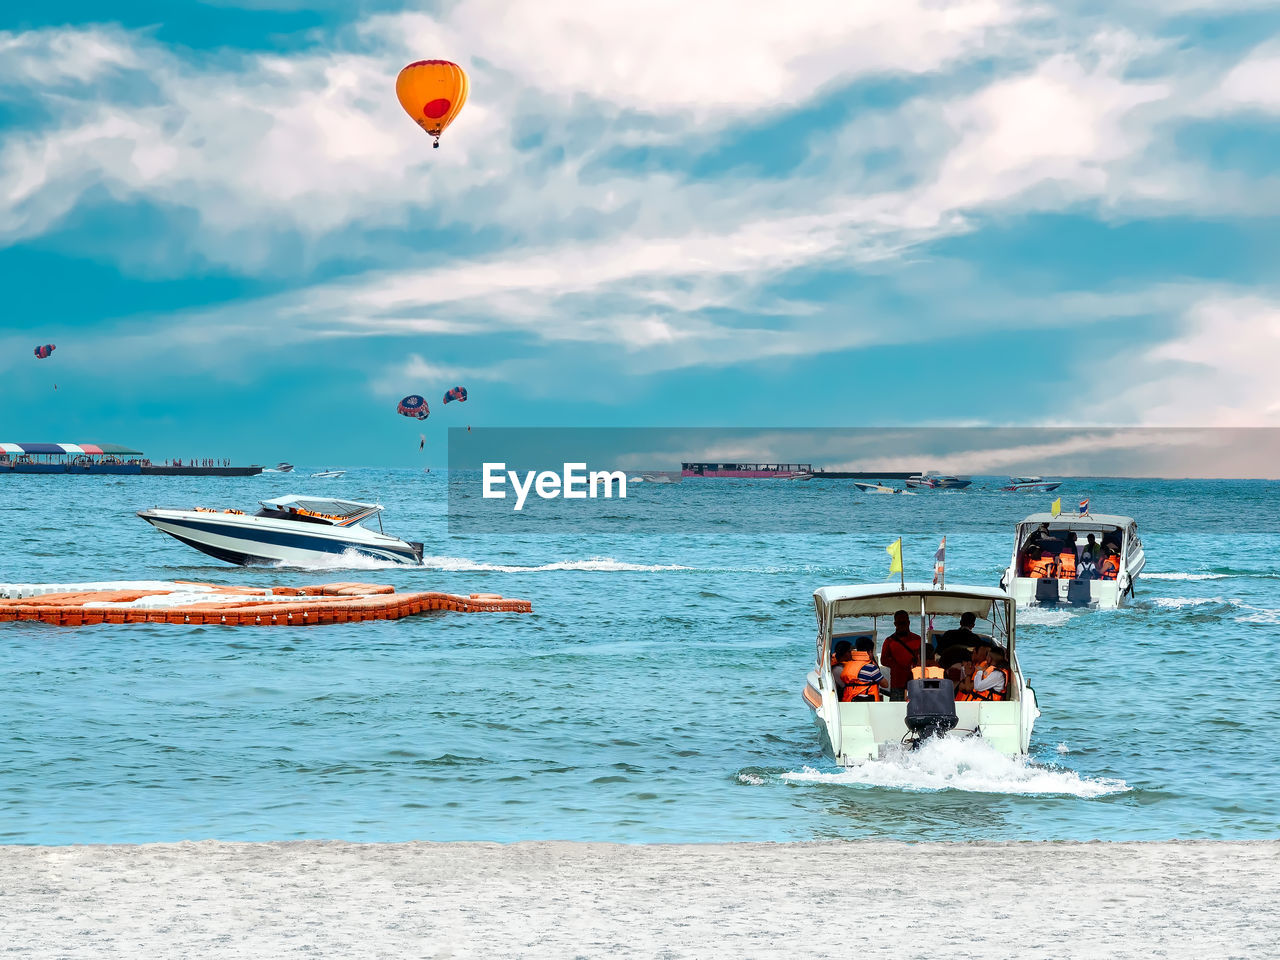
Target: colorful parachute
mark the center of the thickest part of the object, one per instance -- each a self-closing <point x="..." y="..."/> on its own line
<point x="457" y="393"/>
<point x="43" y="353"/>
<point x="413" y="406"/>
<point x="432" y="92"/>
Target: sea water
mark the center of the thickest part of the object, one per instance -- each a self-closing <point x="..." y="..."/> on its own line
<point x="654" y="693"/>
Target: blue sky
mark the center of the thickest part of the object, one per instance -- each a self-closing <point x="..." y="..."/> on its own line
<point x="716" y="214"/>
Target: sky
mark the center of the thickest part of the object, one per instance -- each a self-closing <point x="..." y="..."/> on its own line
<point x="729" y="213"/>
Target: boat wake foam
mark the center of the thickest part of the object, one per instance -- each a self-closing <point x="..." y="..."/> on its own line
<point x="967" y="764"/>
<point x="1045" y="616"/>
<point x="1184" y="576"/>
<point x="597" y="564"/>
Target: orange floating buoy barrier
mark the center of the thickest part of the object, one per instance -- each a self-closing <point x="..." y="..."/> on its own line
<point x="191" y="603"/>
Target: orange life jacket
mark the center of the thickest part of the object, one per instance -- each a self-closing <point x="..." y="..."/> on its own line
<point x="1110" y="568"/>
<point x="992" y="694"/>
<point x="1042" y="568"/>
<point x="849" y="677"/>
<point x="1066" y="565"/>
<point x="930" y="673"/>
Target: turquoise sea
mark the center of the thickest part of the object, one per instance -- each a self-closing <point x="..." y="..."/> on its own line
<point x="653" y="695"/>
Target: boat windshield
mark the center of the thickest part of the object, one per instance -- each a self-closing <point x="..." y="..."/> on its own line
<point x="341" y="513"/>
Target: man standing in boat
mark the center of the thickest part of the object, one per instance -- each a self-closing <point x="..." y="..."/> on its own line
<point x="901" y="652"/>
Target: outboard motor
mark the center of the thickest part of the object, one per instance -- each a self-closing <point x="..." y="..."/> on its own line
<point x="931" y="708"/>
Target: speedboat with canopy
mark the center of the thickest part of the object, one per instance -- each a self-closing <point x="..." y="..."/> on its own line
<point x="1048" y="566"/>
<point x="937" y="481"/>
<point x="296" y="530"/>
<point x="852" y="732"/>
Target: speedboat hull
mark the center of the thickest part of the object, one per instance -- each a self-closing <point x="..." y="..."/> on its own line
<point x="248" y="540"/>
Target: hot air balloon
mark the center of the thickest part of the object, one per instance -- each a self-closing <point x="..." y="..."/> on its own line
<point x="457" y="393"/>
<point x="413" y="406"/>
<point x="43" y="353"/>
<point x="432" y="92"/>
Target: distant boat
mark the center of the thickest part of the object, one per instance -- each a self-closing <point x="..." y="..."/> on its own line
<point x="874" y="487"/>
<point x="280" y="467"/>
<point x="880" y="488"/>
<point x="1018" y="484"/>
<point x="937" y="481"/>
<point x="328" y="474"/>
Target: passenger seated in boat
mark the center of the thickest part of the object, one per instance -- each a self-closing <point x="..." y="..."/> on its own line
<point x="860" y="675"/>
<point x="839" y="654"/>
<point x="1091" y="549"/>
<point x="1109" y="569"/>
<point x="980" y="654"/>
<point x="1066" y="567"/>
<point x="991" y="677"/>
<point x="1086" y="569"/>
<point x="1039" y="566"/>
<point x="959" y="637"/>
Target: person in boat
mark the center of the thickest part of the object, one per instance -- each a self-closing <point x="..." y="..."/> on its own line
<point x="901" y="652"/>
<point x="1087" y="568"/>
<point x="1091" y="549"/>
<point x="957" y="642"/>
<point x="989" y="677"/>
<point x="1039" y="565"/>
<point x="1066" y="566"/>
<point x="932" y="669"/>
<point x="1109" y="569"/>
<point x="860" y="674"/>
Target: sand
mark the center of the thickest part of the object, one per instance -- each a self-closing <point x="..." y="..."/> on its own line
<point x="334" y="899"/>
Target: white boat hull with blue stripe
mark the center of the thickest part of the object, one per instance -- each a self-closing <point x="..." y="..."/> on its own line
<point x="294" y="531"/>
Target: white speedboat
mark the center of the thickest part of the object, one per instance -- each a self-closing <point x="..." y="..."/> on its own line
<point x="281" y="467"/>
<point x="297" y="530"/>
<point x="854" y="732"/>
<point x="1048" y="565"/>
<point x="937" y="481"/>
<point x="875" y="487"/>
<point x="1039" y="484"/>
<point x="328" y="474"/>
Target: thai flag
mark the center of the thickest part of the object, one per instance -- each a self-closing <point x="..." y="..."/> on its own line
<point x="940" y="562"/>
<point x="1084" y="506"/>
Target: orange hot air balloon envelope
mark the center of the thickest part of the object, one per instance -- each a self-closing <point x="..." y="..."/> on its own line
<point x="432" y="92"/>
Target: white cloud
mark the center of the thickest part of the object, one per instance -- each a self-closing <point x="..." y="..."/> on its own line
<point x="1218" y="371"/>
<point x="720" y="57"/>
<point x="1253" y="84"/>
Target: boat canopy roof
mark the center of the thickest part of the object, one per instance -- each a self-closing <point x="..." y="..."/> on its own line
<point x="330" y="506"/>
<point x="1081" y="521"/>
<point x="875" y="600"/>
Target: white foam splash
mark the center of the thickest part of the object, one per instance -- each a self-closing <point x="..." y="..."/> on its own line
<point x="1184" y="576"/>
<point x="962" y="763"/>
<point x="596" y="564"/>
<point x="751" y="779"/>
<point x="1063" y="748"/>
<point x="347" y="560"/>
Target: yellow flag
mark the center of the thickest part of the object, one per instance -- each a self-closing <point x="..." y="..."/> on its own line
<point x="1056" y="508"/>
<point x="894" y="550"/>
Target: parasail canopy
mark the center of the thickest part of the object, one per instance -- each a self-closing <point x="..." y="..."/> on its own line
<point x="43" y="353"/>
<point x="457" y="393"/>
<point x="414" y="406"/>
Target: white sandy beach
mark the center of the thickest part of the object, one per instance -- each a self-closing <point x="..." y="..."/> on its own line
<point x="336" y="899"/>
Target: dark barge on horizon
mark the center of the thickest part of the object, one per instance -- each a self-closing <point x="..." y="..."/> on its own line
<point x="105" y="458"/>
